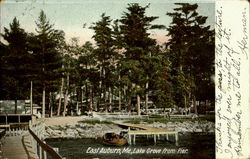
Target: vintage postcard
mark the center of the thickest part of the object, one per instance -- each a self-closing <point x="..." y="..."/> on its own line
<point x="132" y="79"/>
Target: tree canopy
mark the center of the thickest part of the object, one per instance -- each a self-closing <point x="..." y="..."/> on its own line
<point x="125" y="69"/>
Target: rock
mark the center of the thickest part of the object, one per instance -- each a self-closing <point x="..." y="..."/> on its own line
<point x="198" y="130"/>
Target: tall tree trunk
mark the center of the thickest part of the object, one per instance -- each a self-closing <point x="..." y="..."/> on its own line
<point x="146" y="97"/>
<point x="90" y="99"/>
<point x="195" y="106"/>
<point x="43" y="107"/>
<point x="60" y="97"/>
<point x="185" y="103"/>
<point x="31" y="97"/>
<point x="82" y="99"/>
<point x="120" y="100"/>
<point x="65" y="103"/>
<point x="129" y="105"/>
<point x="147" y="83"/>
<point x="110" y="99"/>
<point x="86" y="96"/>
<point x="66" y="96"/>
<point x="100" y="91"/>
<point x="77" y="108"/>
<point x="44" y="93"/>
<point x="104" y="91"/>
<point x="138" y="104"/>
<point x="104" y="99"/>
<point x="77" y="98"/>
<point x="94" y="102"/>
<point x="129" y="99"/>
<point x="50" y="104"/>
<point x="99" y="99"/>
<point x="119" y="94"/>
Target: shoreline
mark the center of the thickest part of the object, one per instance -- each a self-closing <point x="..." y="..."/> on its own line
<point x="99" y="138"/>
<point x="83" y="129"/>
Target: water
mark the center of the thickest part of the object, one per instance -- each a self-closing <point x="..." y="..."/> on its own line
<point x="191" y="146"/>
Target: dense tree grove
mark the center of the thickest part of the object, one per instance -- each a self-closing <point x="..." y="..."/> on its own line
<point x="125" y="70"/>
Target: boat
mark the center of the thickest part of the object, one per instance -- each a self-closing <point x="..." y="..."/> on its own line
<point x="113" y="139"/>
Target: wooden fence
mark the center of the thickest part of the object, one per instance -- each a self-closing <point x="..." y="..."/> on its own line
<point x="37" y="130"/>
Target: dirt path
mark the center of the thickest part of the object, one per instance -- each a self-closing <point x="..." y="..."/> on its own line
<point x="63" y="120"/>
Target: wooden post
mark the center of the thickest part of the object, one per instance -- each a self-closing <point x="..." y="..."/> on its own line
<point x="9" y="129"/>
<point x="6" y="119"/>
<point x="176" y="139"/>
<point x="129" y="139"/>
<point x="44" y="152"/>
<point x="154" y="139"/>
<point x="134" y="138"/>
<point x="18" y="131"/>
<point x="30" y="124"/>
<point x="166" y="136"/>
<point x="40" y="152"/>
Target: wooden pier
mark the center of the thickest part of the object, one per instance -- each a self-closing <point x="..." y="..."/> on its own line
<point x="13" y="148"/>
<point x="26" y="142"/>
<point x="149" y="131"/>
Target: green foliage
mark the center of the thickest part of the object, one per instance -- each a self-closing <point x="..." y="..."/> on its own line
<point x="15" y="63"/>
<point x="106" y="56"/>
<point x="124" y="59"/>
<point x="191" y="53"/>
<point x="138" y="64"/>
<point x="46" y="48"/>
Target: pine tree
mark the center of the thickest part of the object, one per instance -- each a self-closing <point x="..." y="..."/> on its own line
<point x="190" y="47"/>
<point x="15" y="63"/>
<point x="45" y="46"/>
<point x="105" y="53"/>
<point x="88" y="75"/>
<point x="135" y="26"/>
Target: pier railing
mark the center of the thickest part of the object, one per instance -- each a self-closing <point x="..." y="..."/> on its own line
<point x="37" y="130"/>
<point x="15" y="129"/>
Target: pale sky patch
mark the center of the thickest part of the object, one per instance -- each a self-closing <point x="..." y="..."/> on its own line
<point x="71" y="15"/>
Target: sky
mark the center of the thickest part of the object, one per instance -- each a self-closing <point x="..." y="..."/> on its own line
<point x="71" y="15"/>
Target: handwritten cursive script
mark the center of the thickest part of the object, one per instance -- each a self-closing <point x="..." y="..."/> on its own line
<point x="230" y="53"/>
